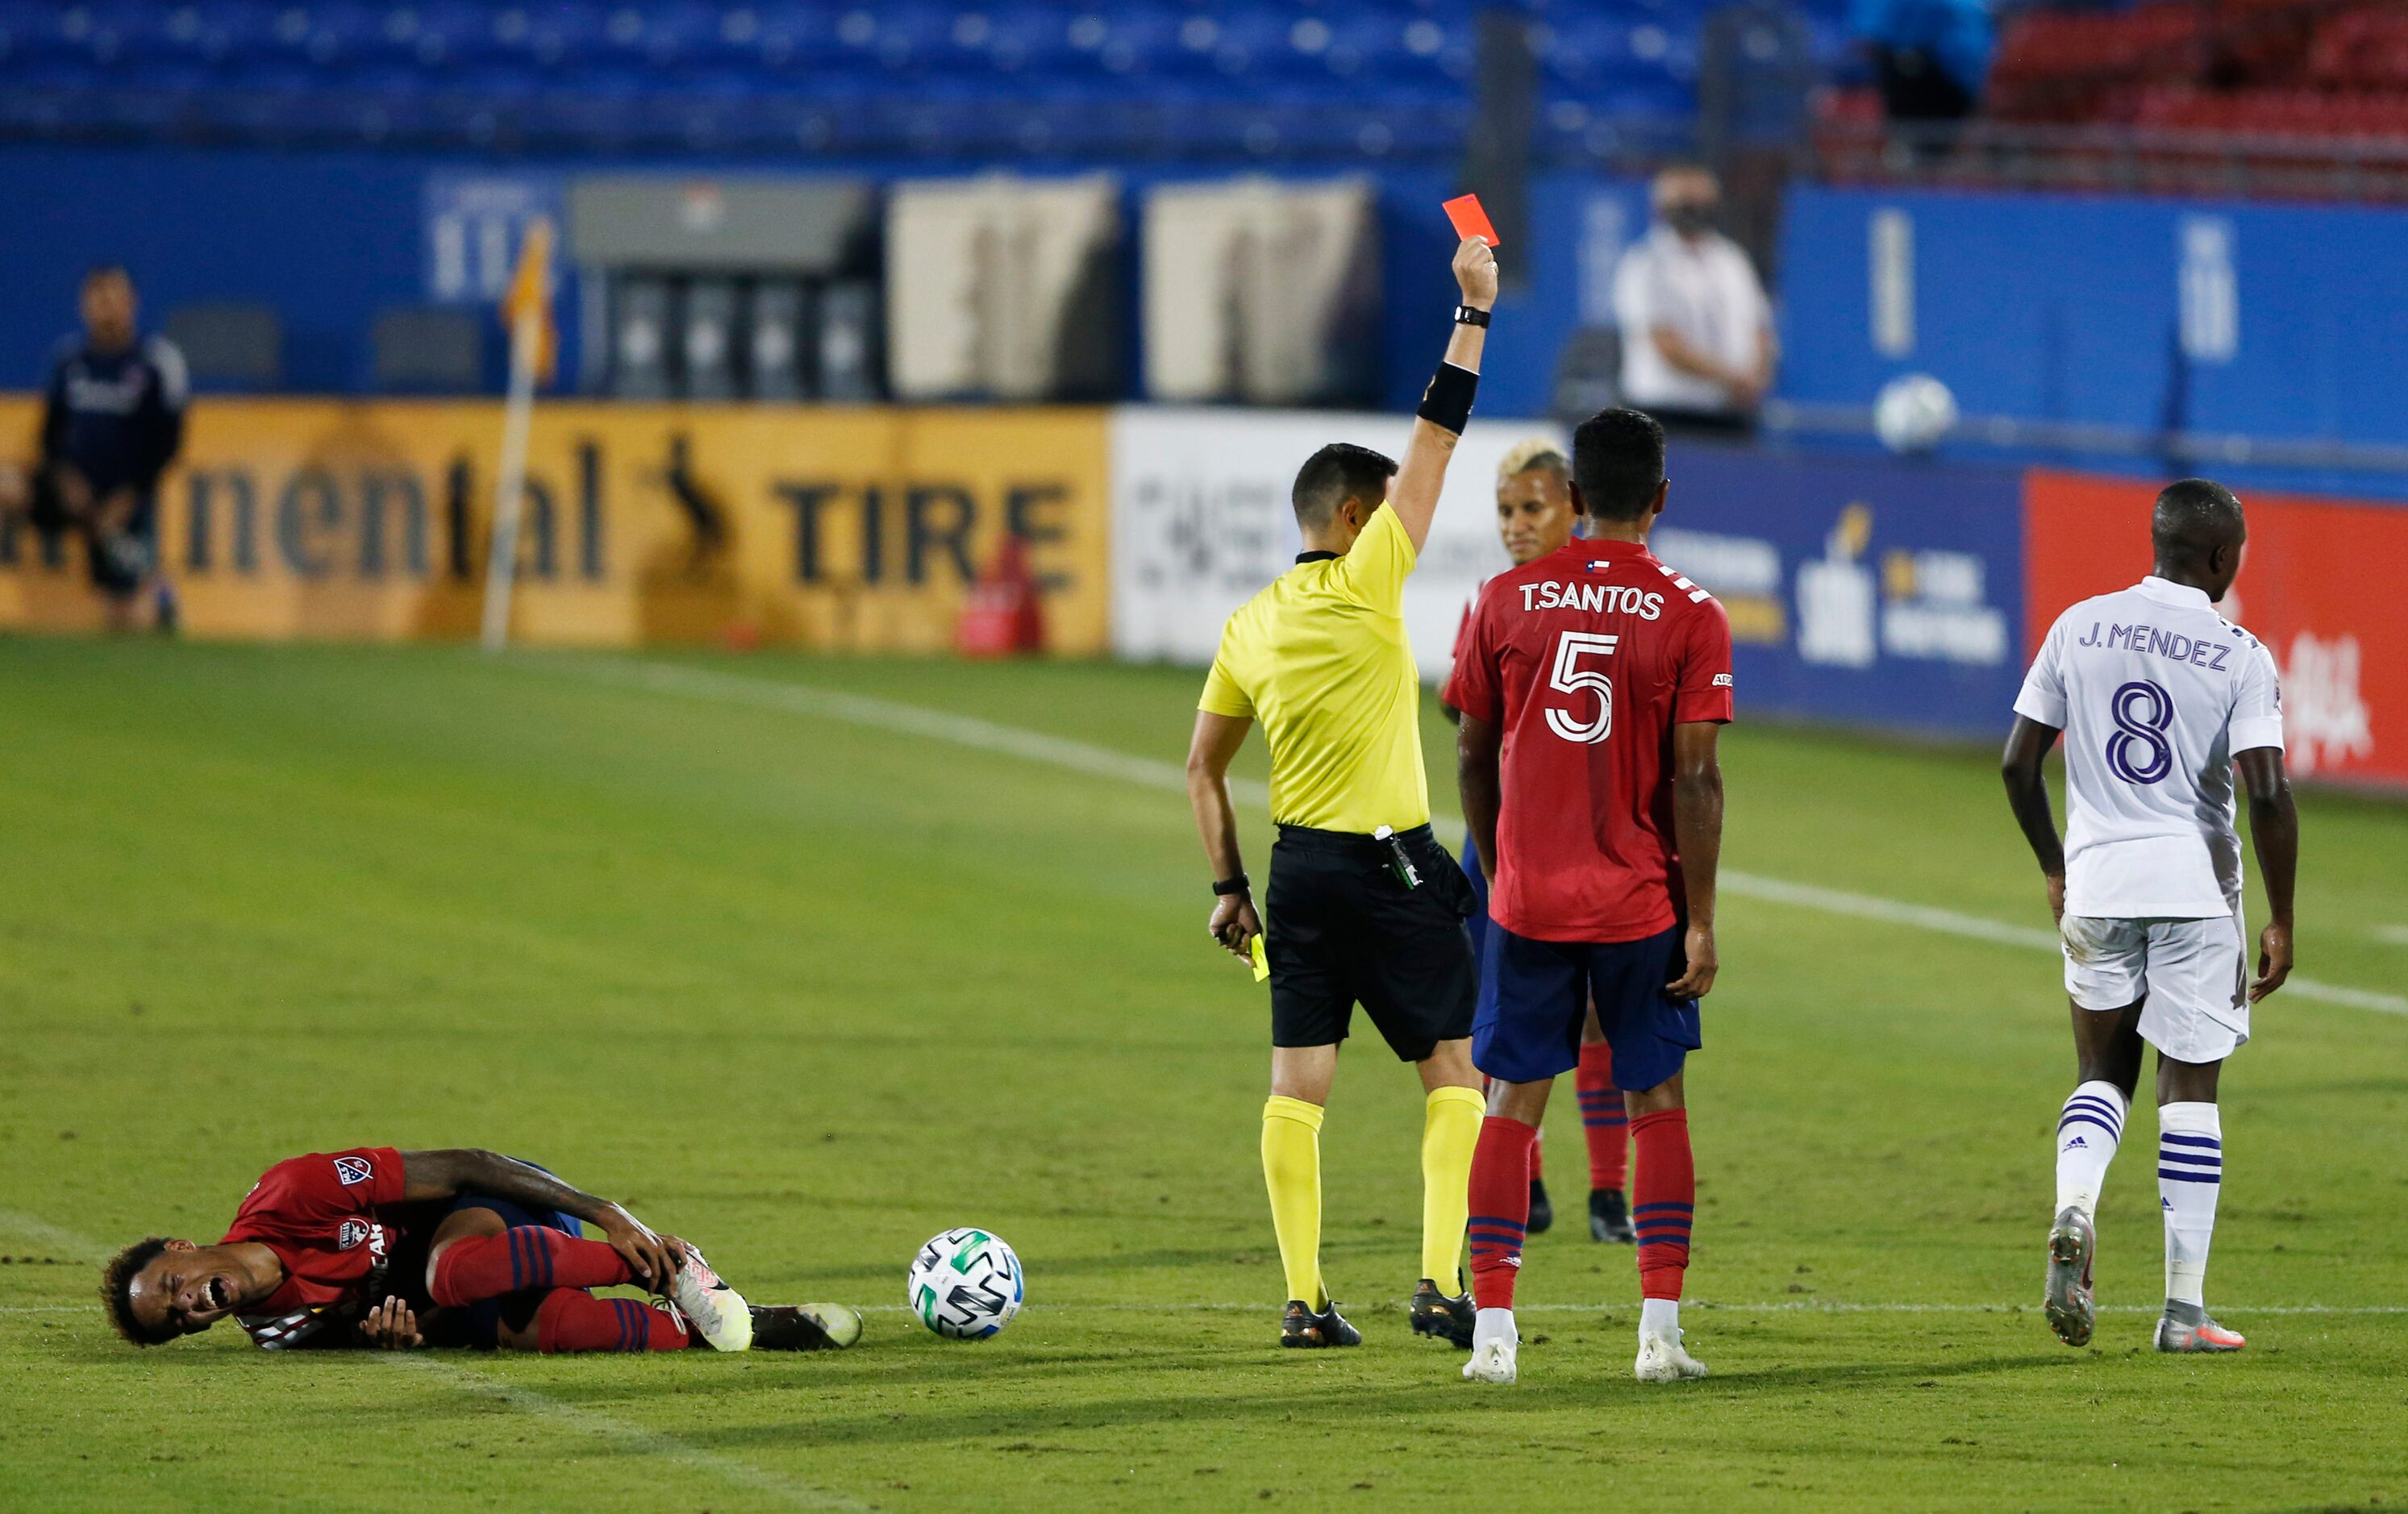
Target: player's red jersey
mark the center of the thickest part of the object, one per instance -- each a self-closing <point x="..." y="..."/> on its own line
<point x="319" y="1215"/>
<point x="1587" y="658"/>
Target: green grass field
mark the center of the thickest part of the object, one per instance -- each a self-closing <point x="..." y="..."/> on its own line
<point x="808" y="979"/>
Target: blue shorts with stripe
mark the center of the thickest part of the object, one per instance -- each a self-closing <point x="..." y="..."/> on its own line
<point x="1534" y="999"/>
<point x="1477" y="924"/>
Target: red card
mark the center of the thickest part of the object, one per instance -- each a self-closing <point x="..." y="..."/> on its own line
<point x="1469" y="219"/>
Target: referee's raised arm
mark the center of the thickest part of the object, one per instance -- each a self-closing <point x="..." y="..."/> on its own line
<point x="1446" y="403"/>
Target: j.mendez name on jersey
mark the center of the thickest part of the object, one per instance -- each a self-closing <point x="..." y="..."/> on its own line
<point x="2198" y="651"/>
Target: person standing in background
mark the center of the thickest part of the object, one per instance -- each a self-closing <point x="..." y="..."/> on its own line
<point x="1535" y="517"/>
<point x="112" y="420"/>
<point x="1698" y="346"/>
<point x="1932" y="57"/>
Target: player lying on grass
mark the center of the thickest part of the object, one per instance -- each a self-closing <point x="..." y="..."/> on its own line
<point x="378" y="1247"/>
<point x="1535" y="515"/>
<point x="2159" y="697"/>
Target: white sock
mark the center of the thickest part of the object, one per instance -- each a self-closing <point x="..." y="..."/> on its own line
<point x="1659" y="1317"/>
<point x="2190" y="1173"/>
<point x="1493" y="1325"/>
<point x="2086" y="1135"/>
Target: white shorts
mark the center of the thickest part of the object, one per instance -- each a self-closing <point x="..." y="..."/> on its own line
<point x="2192" y="974"/>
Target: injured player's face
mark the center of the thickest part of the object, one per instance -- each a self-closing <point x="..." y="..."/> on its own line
<point x="186" y="1288"/>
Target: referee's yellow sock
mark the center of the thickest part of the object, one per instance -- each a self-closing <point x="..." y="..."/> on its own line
<point x="1450" y="1131"/>
<point x="1292" y="1169"/>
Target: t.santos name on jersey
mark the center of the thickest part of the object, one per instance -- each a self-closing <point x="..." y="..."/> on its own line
<point x="1603" y="598"/>
<point x="2198" y="651"/>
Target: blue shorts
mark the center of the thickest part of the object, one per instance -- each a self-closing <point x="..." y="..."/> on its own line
<point x="1478" y="922"/>
<point x="479" y="1324"/>
<point x="1534" y="998"/>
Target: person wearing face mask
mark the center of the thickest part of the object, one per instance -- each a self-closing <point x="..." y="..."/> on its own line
<point x="1697" y="347"/>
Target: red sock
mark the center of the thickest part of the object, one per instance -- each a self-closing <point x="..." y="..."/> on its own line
<point x="1537" y="1148"/>
<point x="1500" y="1208"/>
<point x="1664" y="1201"/>
<point x="571" y="1319"/>
<point x="1603" y="1119"/>
<point x="479" y="1267"/>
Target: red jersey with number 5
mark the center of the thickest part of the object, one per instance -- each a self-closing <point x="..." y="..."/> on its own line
<point x="1587" y="658"/>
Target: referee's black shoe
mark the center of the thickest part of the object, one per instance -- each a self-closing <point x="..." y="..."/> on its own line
<point x="1543" y="1208"/>
<point x="1436" y="1314"/>
<point x="1305" y="1330"/>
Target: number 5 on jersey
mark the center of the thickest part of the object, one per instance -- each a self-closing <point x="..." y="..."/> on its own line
<point x="1572" y="678"/>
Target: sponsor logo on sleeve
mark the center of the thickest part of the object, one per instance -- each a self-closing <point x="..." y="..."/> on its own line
<point x="1722" y="680"/>
<point x="351" y="1169"/>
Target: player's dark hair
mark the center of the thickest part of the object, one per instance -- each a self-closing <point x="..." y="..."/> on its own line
<point x="117" y="1292"/>
<point x="107" y="270"/>
<point x="2193" y="516"/>
<point x="1618" y="463"/>
<point x="1336" y="474"/>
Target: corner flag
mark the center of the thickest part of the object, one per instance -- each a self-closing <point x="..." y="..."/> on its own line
<point x="526" y="310"/>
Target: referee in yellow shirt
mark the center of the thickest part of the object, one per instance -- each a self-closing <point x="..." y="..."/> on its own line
<point x="1365" y="907"/>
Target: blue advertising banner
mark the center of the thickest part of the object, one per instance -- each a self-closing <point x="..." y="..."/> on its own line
<point x="1874" y="592"/>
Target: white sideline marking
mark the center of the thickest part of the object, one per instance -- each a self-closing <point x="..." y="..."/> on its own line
<point x="1788" y="1306"/>
<point x="653" y="1442"/>
<point x="873" y="713"/>
<point x="25" y="1226"/>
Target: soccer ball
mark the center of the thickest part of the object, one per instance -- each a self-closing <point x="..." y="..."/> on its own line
<point x="1913" y="412"/>
<point x="964" y="1284"/>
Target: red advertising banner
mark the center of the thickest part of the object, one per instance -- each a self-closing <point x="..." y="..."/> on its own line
<point x="2318" y="585"/>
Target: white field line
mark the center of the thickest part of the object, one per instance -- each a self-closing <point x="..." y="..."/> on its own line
<point x="869" y="711"/>
<point x="634" y="1438"/>
<point x="1785" y="1306"/>
<point x="569" y="1416"/>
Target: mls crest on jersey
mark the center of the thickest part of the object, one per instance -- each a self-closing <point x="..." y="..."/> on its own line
<point x="351" y="1169"/>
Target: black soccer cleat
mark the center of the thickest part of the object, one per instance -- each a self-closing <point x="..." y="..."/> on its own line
<point x="1302" y="1328"/>
<point x="1543" y="1208"/>
<point x="1447" y="1319"/>
<point x="1608" y="1218"/>
<point x="804" y="1327"/>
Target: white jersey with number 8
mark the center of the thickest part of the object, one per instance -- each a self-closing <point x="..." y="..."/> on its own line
<point x="2154" y="691"/>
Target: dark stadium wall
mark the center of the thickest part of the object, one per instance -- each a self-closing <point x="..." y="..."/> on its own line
<point x="328" y="238"/>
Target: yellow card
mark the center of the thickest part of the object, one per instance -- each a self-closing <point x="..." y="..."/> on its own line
<point x="1262" y="963"/>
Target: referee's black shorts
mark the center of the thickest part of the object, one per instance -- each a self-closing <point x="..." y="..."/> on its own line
<point x="1344" y="929"/>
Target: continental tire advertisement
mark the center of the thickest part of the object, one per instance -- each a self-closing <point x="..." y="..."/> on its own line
<point x="848" y="529"/>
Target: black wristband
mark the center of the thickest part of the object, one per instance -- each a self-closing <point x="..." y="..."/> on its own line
<point x="1447" y="402"/>
<point x="1466" y="315"/>
<point x="1223" y="887"/>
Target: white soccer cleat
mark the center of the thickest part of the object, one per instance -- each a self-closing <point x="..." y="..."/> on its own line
<point x="717" y="1312"/>
<point x="1661" y="1359"/>
<point x="1492" y="1360"/>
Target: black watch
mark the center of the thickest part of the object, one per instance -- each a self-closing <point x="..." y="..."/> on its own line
<point x="1466" y="316"/>
<point x="1223" y="888"/>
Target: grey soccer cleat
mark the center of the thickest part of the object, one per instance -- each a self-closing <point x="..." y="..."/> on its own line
<point x="2185" y="1329"/>
<point x="2073" y="1243"/>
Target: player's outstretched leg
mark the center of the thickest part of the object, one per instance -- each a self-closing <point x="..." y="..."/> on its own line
<point x="1667" y="1191"/>
<point x="1499" y="1188"/>
<point x="1605" y="1123"/>
<point x="2190" y="1175"/>
<point x="570" y="1319"/>
<point x="2088" y="1130"/>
